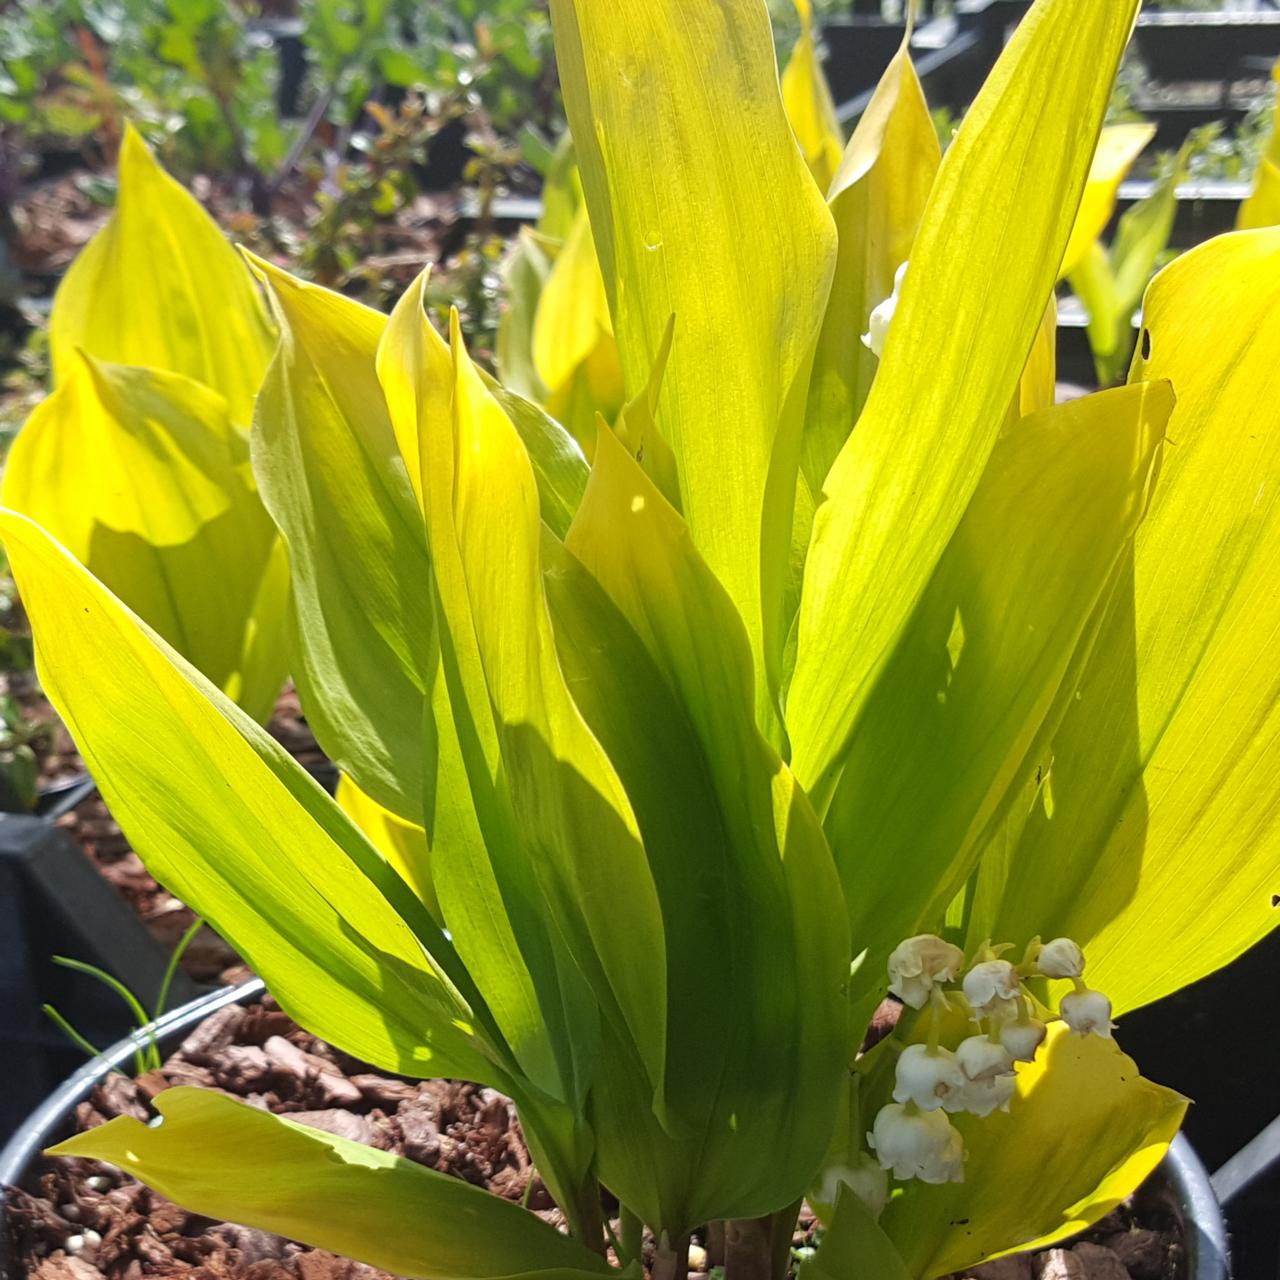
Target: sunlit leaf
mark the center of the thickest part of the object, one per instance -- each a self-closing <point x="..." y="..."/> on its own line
<point x="403" y="844"/>
<point x="758" y="1017"/>
<point x="945" y="731"/>
<point x="1157" y="809"/>
<point x="270" y="1172"/>
<point x="1262" y="208"/>
<point x="1082" y="1134"/>
<point x="333" y="479"/>
<point x="703" y="208"/>
<point x="142" y="476"/>
<point x="877" y="200"/>
<point x="160" y="287"/>
<point x="1118" y="147"/>
<point x="233" y="826"/>
<point x="980" y="277"/>
<point x="810" y="108"/>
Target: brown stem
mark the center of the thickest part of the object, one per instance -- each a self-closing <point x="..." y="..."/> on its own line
<point x="748" y="1253"/>
<point x="671" y="1261"/>
<point x="715" y="1244"/>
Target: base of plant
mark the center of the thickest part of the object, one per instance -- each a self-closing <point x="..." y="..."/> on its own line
<point x="79" y="1220"/>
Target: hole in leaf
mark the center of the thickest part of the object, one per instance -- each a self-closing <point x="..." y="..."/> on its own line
<point x="1146" y="344"/>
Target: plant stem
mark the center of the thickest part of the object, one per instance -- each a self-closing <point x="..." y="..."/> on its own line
<point x="782" y="1228"/>
<point x="748" y="1253"/>
<point x="715" y="1244"/>
<point x="671" y="1261"/>
<point x="632" y="1230"/>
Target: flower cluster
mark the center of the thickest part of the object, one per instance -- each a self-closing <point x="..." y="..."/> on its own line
<point x="913" y="1136"/>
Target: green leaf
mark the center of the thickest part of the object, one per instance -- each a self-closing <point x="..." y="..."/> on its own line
<point x="142" y="476"/>
<point x="335" y="483"/>
<point x="1081" y="1135"/>
<point x="573" y="822"/>
<point x="981" y="274"/>
<point x="524" y="276"/>
<point x="756" y="1046"/>
<point x="484" y="881"/>
<point x="734" y="240"/>
<point x="225" y="1159"/>
<point x="234" y="827"/>
<point x="853" y="1247"/>
<point x="160" y="287"/>
<point x="983" y="657"/>
<point x="483" y="878"/>
<point x="877" y="200"/>
<point x="1158" y="814"/>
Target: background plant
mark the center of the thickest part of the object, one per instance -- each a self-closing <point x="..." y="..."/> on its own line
<point x="698" y="734"/>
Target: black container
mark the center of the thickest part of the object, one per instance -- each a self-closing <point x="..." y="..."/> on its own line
<point x="1186" y="1180"/>
<point x="54" y="902"/>
<point x="1206" y="46"/>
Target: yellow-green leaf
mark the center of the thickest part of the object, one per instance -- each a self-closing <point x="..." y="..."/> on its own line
<point x="854" y="1246"/>
<point x="143" y="477"/>
<point x="745" y="1120"/>
<point x="810" y="108"/>
<point x="524" y="276"/>
<point x="946" y="729"/>
<point x="1082" y="1133"/>
<point x="229" y="823"/>
<point x="703" y="208"/>
<point x="1118" y="147"/>
<point x="402" y="843"/>
<point x="573" y="312"/>
<point x="877" y="200"/>
<point x="225" y="1159"/>
<point x="1262" y="208"/>
<point x="160" y="287"/>
<point x="1159" y="813"/>
<point x="335" y="483"/>
<point x="974" y="295"/>
<point x="573" y="819"/>
<point x="485" y="885"/>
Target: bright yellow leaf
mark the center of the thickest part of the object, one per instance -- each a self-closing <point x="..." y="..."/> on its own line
<point x="160" y="287"/>
<point x="1119" y="146"/>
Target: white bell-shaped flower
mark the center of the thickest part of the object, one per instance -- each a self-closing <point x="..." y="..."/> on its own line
<point x="864" y="1177"/>
<point x="1087" y="1012"/>
<point x="1060" y="958"/>
<point x="989" y="985"/>
<point x="982" y="1097"/>
<point x="980" y="1058"/>
<point x="1023" y="1037"/>
<point x="917" y="1144"/>
<point x="878" y="324"/>
<point x="927" y="1077"/>
<point x="919" y="962"/>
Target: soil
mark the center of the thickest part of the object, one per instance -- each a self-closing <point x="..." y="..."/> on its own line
<point x="80" y="1220"/>
<point x="208" y="958"/>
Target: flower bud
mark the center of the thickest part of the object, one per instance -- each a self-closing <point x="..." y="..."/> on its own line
<point x="1086" y="1011"/>
<point x="865" y="1178"/>
<point x="989" y="984"/>
<point x="982" y="1097"/>
<point x="878" y="324"/>
<point x="1023" y="1038"/>
<point x="918" y="963"/>
<point x="980" y="1058"/>
<point x="1060" y="958"/>
<point x="927" y="1078"/>
<point x="917" y="1144"/>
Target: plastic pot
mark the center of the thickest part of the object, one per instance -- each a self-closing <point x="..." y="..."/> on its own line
<point x="1186" y="1180"/>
